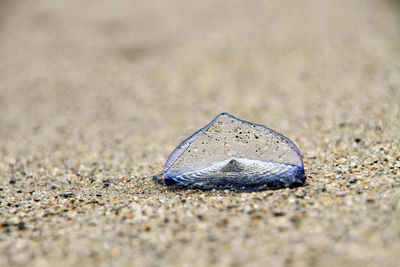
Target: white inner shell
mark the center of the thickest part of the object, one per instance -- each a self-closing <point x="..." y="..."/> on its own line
<point x="228" y="137"/>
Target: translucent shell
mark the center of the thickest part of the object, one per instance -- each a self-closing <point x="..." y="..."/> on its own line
<point x="236" y="154"/>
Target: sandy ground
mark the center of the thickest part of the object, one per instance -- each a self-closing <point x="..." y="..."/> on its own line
<point x="94" y="95"/>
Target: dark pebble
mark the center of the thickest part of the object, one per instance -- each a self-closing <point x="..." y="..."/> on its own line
<point x="21" y="225"/>
<point x="13" y="180"/>
<point x="370" y="200"/>
<point x="278" y="213"/>
<point x="66" y="195"/>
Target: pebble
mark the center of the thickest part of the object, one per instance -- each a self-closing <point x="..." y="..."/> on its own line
<point x="66" y="195"/>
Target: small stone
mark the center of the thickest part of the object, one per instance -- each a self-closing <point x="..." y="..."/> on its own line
<point x="278" y="213"/>
<point x="114" y="253"/>
<point x="13" y="180"/>
<point x="21" y="225"/>
<point x="340" y="194"/>
<point x="66" y="195"/>
<point x="300" y="194"/>
<point x="353" y="180"/>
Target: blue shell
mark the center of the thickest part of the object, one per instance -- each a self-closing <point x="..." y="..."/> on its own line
<point x="235" y="154"/>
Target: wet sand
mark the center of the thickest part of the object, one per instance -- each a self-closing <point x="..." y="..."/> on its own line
<point x="95" y="96"/>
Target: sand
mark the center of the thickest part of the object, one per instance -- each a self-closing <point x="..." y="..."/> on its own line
<point x="94" y="96"/>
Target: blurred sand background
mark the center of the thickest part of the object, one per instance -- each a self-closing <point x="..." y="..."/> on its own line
<point x="94" y="95"/>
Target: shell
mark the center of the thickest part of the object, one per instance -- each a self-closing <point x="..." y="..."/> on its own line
<point x="235" y="154"/>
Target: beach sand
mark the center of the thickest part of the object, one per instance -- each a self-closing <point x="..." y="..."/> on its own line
<point x="95" y="95"/>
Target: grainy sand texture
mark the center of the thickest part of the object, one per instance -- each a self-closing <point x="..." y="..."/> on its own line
<point x="94" y="96"/>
